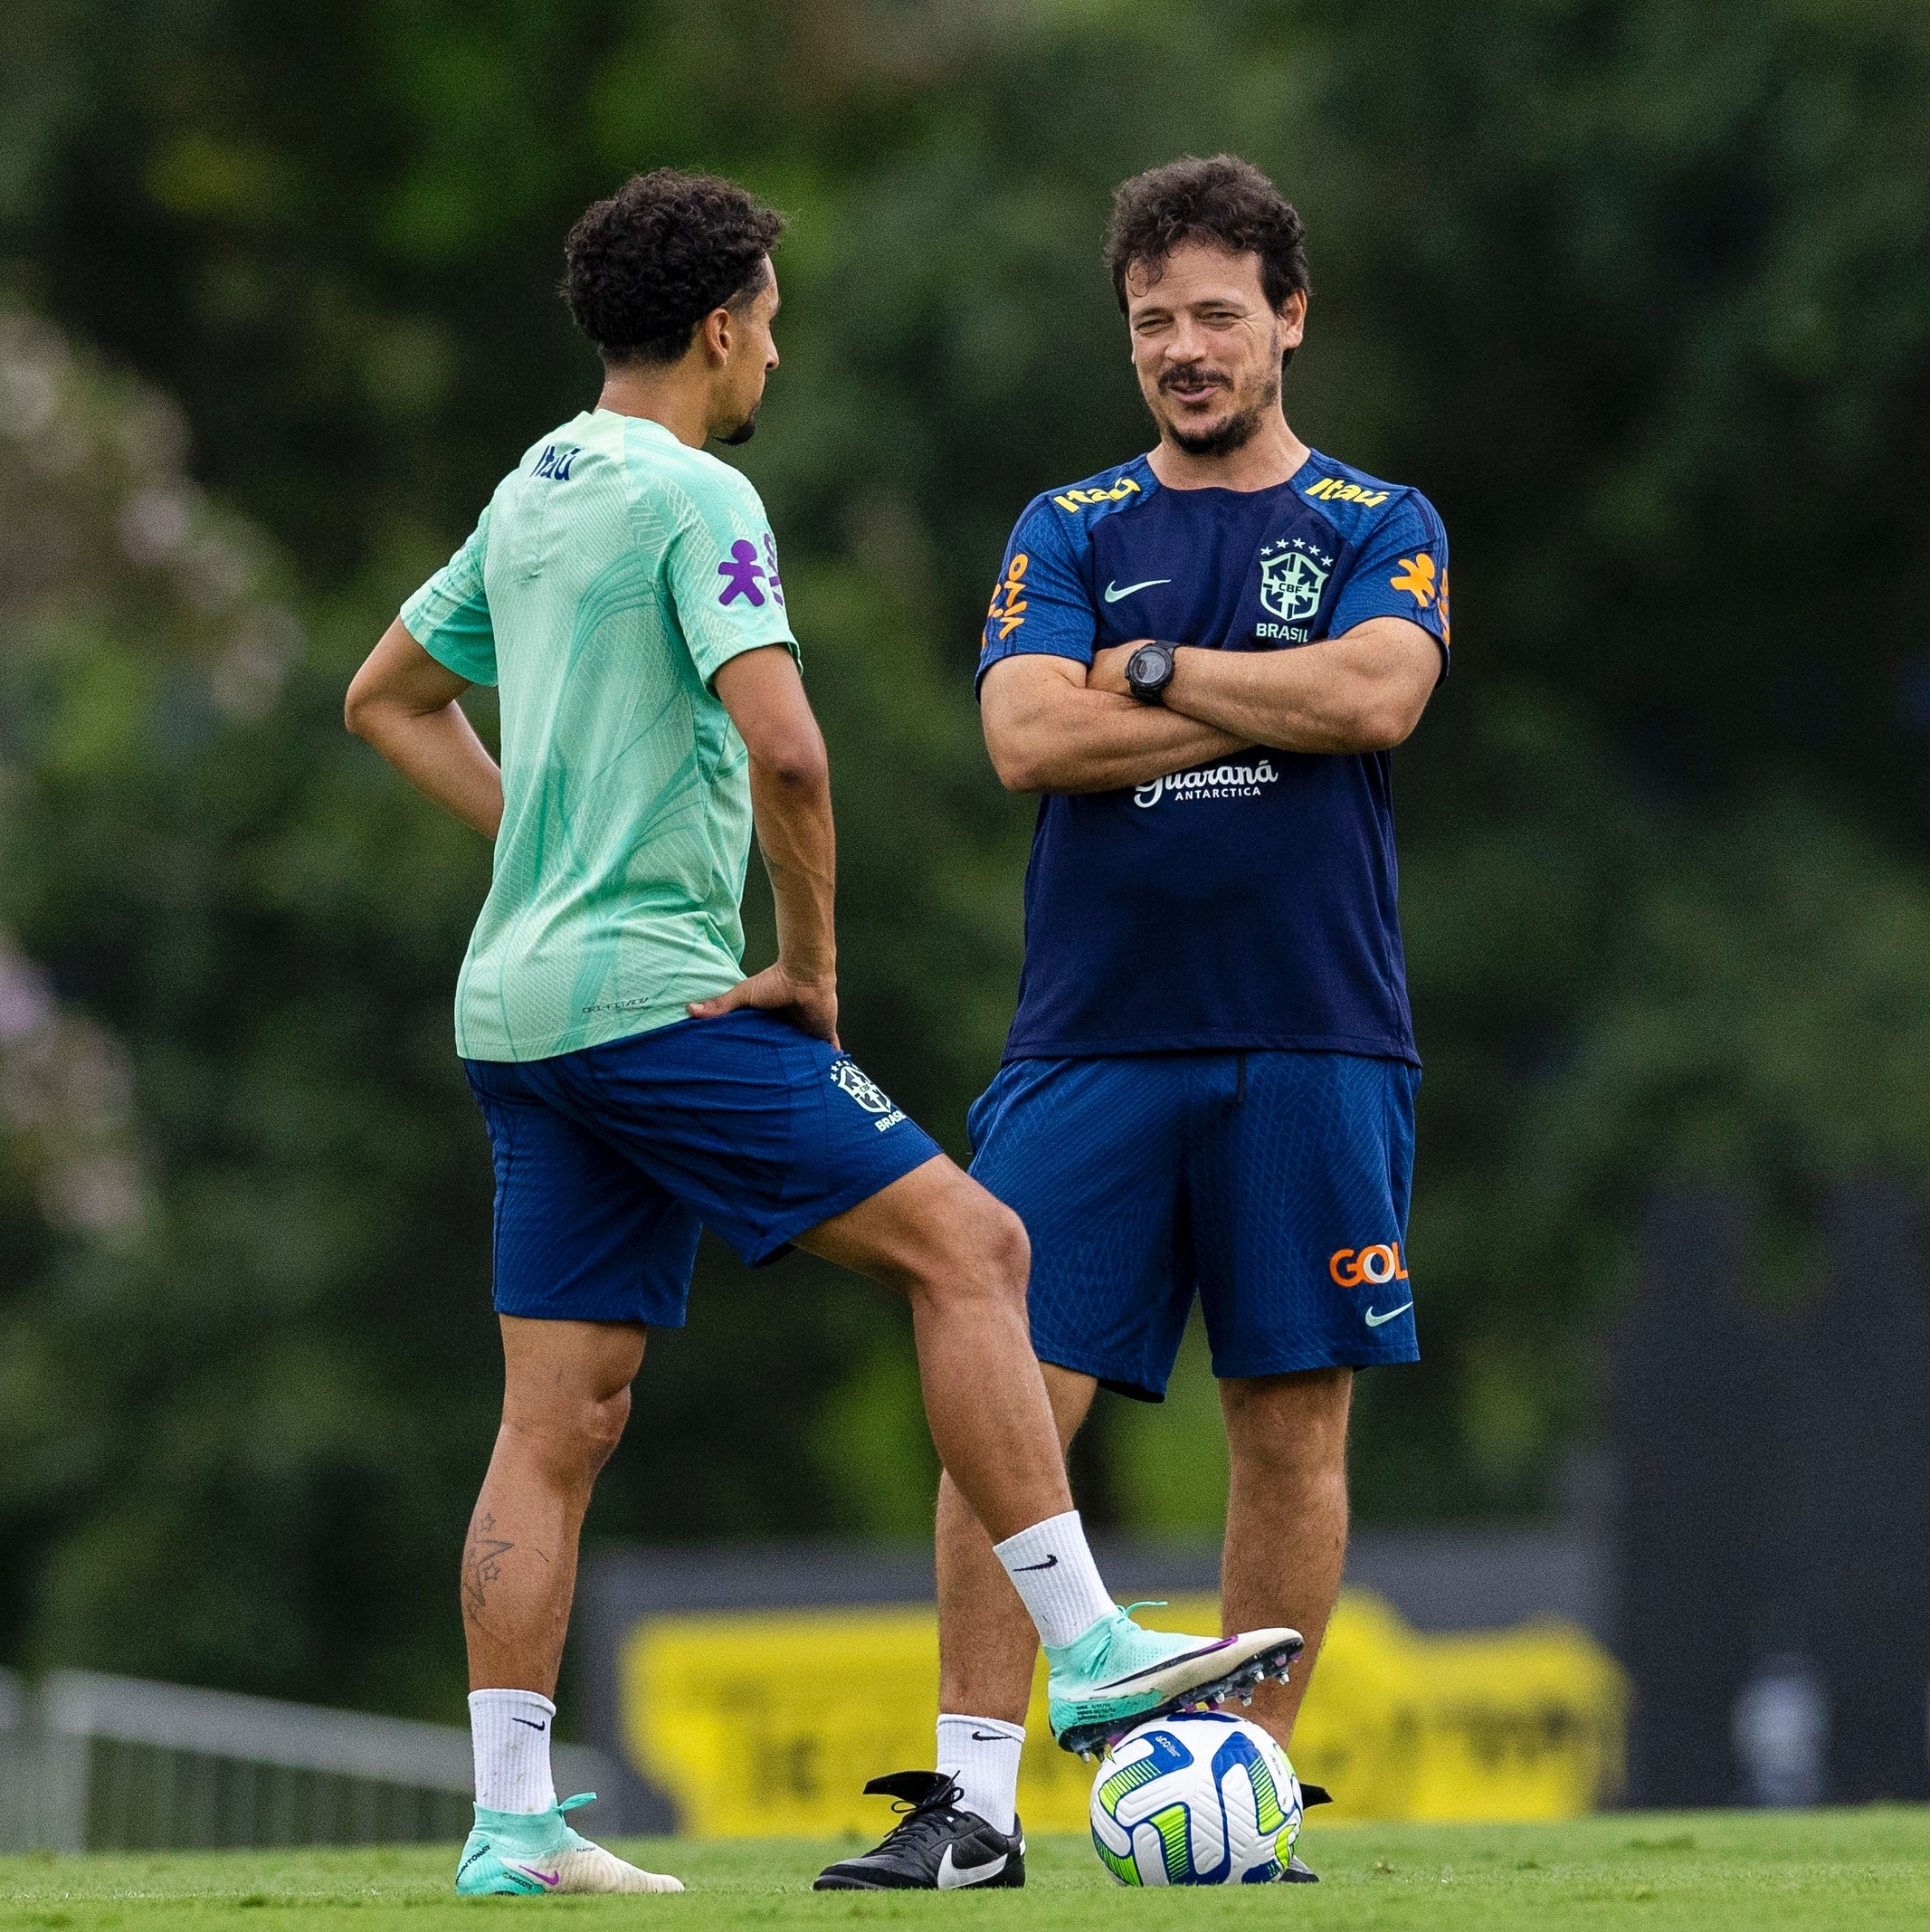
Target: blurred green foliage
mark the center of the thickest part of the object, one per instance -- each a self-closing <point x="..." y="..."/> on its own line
<point x="1638" y="292"/>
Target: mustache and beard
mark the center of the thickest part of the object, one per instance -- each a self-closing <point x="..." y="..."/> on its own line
<point x="1234" y="430"/>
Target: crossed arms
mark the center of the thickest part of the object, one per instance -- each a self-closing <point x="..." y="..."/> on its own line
<point x="1053" y="726"/>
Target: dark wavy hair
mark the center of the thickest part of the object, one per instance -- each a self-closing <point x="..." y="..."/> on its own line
<point x="1223" y="200"/>
<point x="642" y="269"/>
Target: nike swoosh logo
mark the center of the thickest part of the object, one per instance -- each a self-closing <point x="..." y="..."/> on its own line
<point x="530" y="1722"/>
<point x="1049" y="1563"/>
<point x="529" y="1871"/>
<point x="987" y="1737"/>
<point x="1153" y="1669"/>
<point x="1375" y="1321"/>
<point x="1113" y="593"/>
<point x="950" y="1878"/>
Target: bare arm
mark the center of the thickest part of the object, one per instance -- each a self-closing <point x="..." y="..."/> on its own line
<point x="790" y="787"/>
<point x="405" y="704"/>
<point x="1049" y="731"/>
<point x="1363" y="691"/>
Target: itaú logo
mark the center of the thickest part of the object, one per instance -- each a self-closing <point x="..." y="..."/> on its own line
<point x="1368" y="1267"/>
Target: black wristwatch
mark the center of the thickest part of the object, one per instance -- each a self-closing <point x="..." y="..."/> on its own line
<point x="1150" y="671"/>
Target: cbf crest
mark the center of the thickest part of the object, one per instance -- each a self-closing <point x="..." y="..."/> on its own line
<point x="850" y="1078"/>
<point x="1293" y="572"/>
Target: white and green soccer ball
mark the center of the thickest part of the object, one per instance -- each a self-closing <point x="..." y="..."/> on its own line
<point x="1204" y="1800"/>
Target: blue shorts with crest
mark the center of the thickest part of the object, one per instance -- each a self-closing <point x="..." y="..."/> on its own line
<point x="610" y="1160"/>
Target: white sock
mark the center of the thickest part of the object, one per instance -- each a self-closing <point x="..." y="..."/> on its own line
<point x="510" y="1731"/>
<point x="1056" y="1578"/>
<point x="982" y="1755"/>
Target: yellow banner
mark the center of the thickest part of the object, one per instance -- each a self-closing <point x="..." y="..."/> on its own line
<point x="769" y="1723"/>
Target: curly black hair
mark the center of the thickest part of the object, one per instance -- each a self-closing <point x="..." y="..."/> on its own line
<point x="1224" y="200"/>
<point x="642" y="269"/>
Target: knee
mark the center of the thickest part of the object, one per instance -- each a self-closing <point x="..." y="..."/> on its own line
<point x="1000" y="1259"/>
<point x="601" y="1426"/>
<point x="1008" y="1250"/>
<point x="1290" y="1426"/>
<point x="1294" y="1475"/>
<point x="985" y="1255"/>
<point x="575" y="1438"/>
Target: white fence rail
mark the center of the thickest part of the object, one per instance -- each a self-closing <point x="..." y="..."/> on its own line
<point x="94" y="1761"/>
<point x="18" y="1813"/>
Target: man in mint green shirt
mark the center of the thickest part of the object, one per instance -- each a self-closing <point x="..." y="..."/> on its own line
<point x="622" y="592"/>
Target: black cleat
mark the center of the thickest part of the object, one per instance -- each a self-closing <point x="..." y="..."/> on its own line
<point x="936" y="1848"/>
<point x="1295" y="1872"/>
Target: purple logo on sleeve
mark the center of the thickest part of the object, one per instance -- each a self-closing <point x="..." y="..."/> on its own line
<point x="770" y="566"/>
<point x="743" y="570"/>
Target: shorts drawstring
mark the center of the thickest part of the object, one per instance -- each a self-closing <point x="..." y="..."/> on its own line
<point x="1240" y="1091"/>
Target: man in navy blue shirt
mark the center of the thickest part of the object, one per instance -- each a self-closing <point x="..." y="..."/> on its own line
<point x="1201" y="659"/>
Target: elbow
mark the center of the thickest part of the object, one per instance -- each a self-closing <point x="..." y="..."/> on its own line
<point x="1385" y="720"/>
<point x="1384" y="727"/>
<point x="357" y="711"/>
<point x="1019" y="764"/>
<point x="367" y="703"/>
<point x="1020" y="774"/>
<point x="795" y="762"/>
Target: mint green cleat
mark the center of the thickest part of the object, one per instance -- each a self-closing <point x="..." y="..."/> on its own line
<point x="1117" y="1675"/>
<point x="536" y="1852"/>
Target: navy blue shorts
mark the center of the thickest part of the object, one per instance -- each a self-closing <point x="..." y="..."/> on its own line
<point x="610" y="1160"/>
<point x="1273" y="1185"/>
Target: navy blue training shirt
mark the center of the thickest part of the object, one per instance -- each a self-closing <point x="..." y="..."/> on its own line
<point x="1249" y="902"/>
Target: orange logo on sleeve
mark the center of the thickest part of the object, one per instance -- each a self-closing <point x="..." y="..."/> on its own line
<point x="1009" y="614"/>
<point x="1417" y="577"/>
<point x="1373" y="1266"/>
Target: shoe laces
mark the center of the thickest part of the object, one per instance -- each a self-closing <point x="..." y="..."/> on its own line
<point x="921" y="1820"/>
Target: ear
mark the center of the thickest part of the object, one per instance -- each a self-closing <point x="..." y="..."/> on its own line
<point x="1292" y="313"/>
<point x="717" y="333"/>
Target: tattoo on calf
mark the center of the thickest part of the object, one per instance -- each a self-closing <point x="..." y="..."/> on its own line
<point x="481" y="1563"/>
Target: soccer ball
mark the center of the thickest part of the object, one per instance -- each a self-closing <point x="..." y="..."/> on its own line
<point x="1204" y="1800"/>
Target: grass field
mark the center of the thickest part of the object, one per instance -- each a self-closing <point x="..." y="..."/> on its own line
<point x="1707" y="1871"/>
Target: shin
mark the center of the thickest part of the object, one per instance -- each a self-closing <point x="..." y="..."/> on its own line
<point x="987" y="1643"/>
<point x="566" y="1399"/>
<point x="1287" y="1516"/>
<point x="961" y="1260"/>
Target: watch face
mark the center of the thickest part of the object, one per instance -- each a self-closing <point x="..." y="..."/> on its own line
<point x="1147" y="665"/>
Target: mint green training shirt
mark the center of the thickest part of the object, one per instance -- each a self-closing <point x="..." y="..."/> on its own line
<point x="612" y="573"/>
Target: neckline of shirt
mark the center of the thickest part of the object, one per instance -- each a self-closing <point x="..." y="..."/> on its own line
<point x="1223" y="490"/>
<point x="649" y="422"/>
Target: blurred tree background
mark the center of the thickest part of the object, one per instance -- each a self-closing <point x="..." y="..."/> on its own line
<point x="1640" y="293"/>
